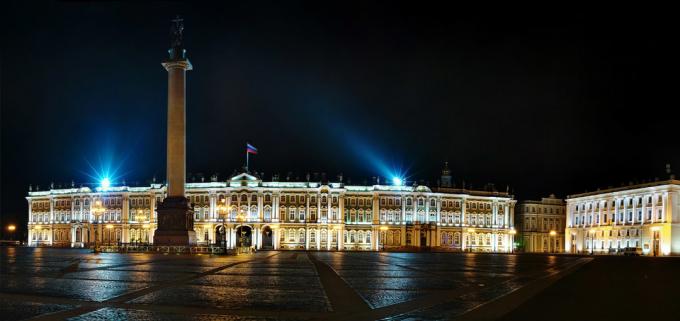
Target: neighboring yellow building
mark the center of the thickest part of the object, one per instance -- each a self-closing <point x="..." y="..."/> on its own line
<point x="540" y="225"/>
<point x="641" y="216"/>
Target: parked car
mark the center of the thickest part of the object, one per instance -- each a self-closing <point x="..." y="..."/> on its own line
<point x="632" y="251"/>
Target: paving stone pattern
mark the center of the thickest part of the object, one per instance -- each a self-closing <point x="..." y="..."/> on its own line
<point x="57" y="284"/>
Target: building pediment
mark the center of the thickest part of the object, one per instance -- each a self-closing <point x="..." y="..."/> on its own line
<point x="244" y="179"/>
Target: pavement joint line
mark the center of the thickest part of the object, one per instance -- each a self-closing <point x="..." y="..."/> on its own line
<point x="86" y="308"/>
<point x="342" y="298"/>
<point x="430" y="300"/>
<point x="533" y="287"/>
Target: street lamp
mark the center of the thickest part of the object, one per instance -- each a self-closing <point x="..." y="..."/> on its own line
<point x="241" y="218"/>
<point x="512" y="240"/>
<point x="552" y="241"/>
<point x="470" y="231"/>
<point x="383" y="234"/>
<point x="222" y="209"/>
<point x="109" y="227"/>
<point x="97" y="210"/>
<point x="11" y="228"/>
<point x="592" y="234"/>
<point x="140" y="218"/>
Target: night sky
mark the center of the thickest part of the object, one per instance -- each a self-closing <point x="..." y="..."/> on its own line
<point x="545" y="100"/>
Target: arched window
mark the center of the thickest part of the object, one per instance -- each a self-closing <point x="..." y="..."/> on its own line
<point x="312" y="236"/>
<point x="383" y="213"/>
<point x="361" y="236"/>
<point x="334" y="213"/>
<point x="267" y="214"/>
<point x="352" y="236"/>
<point x="445" y="238"/>
<point x="302" y="236"/>
<point x="291" y="214"/>
<point x="302" y="214"/>
<point x="368" y="237"/>
<point x="360" y="218"/>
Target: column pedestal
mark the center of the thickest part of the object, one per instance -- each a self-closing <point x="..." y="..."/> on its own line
<point x="175" y="223"/>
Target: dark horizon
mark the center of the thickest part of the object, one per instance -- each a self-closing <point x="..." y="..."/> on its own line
<point x="562" y="102"/>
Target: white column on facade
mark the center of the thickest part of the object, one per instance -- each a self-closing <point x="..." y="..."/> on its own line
<point x="439" y="212"/>
<point x="260" y="207"/>
<point x="30" y="215"/>
<point x="125" y="237"/>
<point x="51" y="210"/>
<point x="341" y="239"/>
<point x="462" y="213"/>
<point x="329" y="237"/>
<point x="317" y="236"/>
<point x="666" y="206"/>
<point x="307" y="234"/>
<point x="403" y="211"/>
<point x="427" y="209"/>
<point x="73" y="234"/>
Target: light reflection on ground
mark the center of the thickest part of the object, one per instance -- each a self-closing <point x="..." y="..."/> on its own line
<point x="266" y="285"/>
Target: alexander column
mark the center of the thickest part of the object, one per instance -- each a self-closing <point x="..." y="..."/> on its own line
<point x="175" y="216"/>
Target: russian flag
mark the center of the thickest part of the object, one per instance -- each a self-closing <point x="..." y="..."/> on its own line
<point x="250" y="149"/>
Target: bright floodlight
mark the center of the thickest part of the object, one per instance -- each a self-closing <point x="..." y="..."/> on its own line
<point x="105" y="183"/>
<point x="396" y="181"/>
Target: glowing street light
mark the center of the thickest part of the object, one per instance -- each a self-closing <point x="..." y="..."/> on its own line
<point x="553" y="233"/>
<point x="382" y="235"/>
<point x="11" y="228"/>
<point x="512" y="240"/>
<point x="397" y="181"/>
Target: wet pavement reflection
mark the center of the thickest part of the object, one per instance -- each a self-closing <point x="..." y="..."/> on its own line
<point x="79" y="285"/>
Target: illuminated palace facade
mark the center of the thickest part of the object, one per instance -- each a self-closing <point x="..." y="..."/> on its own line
<point x="643" y="216"/>
<point x="281" y="215"/>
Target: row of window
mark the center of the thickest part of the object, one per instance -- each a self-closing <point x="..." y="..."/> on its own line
<point x="582" y="207"/>
<point x="546" y="224"/>
<point x="542" y="209"/>
<point x="613" y="218"/>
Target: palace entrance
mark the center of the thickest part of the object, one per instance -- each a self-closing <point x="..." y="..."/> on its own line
<point x="267" y="238"/>
<point x="220" y="236"/>
<point x="244" y="236"/>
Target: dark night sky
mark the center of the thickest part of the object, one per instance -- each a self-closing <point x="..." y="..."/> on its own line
<point x="546" y="100"/>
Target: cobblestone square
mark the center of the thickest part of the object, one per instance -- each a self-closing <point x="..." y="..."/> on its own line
<point x="51" y="284"/>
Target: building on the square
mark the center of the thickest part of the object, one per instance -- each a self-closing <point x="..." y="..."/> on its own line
<point x="643" y="216"/>
<point x="540" y="225"/>
<point x="282" y="215"/>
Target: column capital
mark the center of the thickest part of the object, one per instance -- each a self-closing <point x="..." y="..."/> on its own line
<point x="177" y="64"/>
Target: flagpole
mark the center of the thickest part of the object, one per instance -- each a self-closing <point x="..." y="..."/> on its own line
<point x="247" y="159"/>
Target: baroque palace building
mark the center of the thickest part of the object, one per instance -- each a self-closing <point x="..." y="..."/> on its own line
<point x="245" y="211"/>
<point x="541" y="225"/>
<point x="642" y="216"/>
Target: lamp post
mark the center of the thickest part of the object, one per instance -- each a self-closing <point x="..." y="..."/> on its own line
<point x="241" y="218"/>
<point x="383" y="233"/>
<point x="470" y="232"/>
<point x="11" y="228"/>
<point x="552" y="240"/>
<point x="512" y="240"/>
<point x="140" y="218"/>
<point x="109" y="227"/>
<point x="222" y="209"/>
<point x="97" y="210"/>
<point x="592" y="234"/>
